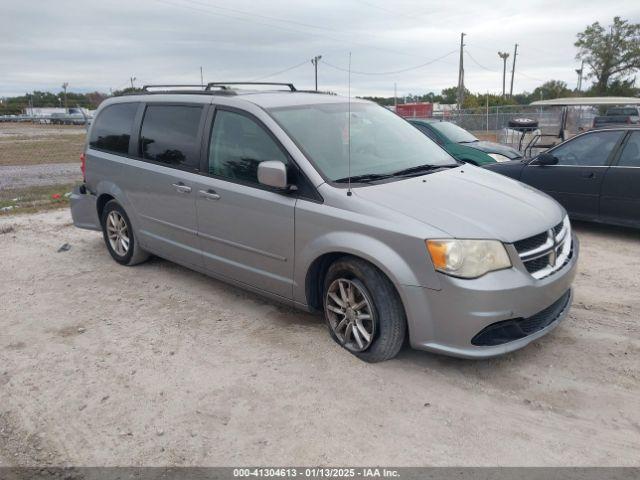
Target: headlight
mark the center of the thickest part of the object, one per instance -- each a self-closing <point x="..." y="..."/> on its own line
<point x="468" y="258"/>
<point x="499" y="158"/>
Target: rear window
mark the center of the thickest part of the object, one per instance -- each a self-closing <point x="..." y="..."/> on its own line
<point x="169" y="135"/>
<point x="111" y="131"/>
<point x="623" y="111"/>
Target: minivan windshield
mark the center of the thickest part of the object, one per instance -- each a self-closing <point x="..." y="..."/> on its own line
<point x="453" y="132"/>
<point x="382" y="143"/>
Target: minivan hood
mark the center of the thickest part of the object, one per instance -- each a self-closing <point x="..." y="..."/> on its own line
<point x="492" y="147"/>
<point x="469" y="202"/>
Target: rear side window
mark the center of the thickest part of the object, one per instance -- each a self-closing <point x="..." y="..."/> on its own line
<point x="631" y="154"/>
<point x="169" y="135"/>
<point x="112" y="129"/>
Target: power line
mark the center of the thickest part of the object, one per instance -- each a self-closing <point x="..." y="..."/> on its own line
<point x="280" y="27"/>
<point x="392" y="72"/>
<point x="478" y="63"/>
<point x="386" y="10"/>
<point x="266" y="17"/>
<point x="520" y="72"/>
<point x="530" y="77"/>
<point x="297" y="65"/>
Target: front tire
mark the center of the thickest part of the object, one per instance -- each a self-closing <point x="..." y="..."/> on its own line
<point x="119" y="237"/>
<point x="363" y="311"/>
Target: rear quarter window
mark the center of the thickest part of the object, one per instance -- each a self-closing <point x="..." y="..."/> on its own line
<point x="111" y="131"/>
<point x="169" y="135"/>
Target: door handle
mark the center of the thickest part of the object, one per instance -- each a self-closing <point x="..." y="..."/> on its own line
<point x="589" y="175"/>
<point x="181" y="187"/>
<point x="209" y="194"/>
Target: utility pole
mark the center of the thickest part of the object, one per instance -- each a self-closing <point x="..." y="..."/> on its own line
<point x="579" y="72"/>
<point x="513" y="69"/>
<point x="503" y="56"/>
<point x="395" y="95"/>
<point x="64" y="88"/>
<point x="461" y="73"/>
<point x="201" y="78"/>
<point x="315" y="61"/>
<point x="133" y="79"/>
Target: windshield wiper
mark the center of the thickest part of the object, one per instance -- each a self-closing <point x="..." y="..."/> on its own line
<point x="365" y="178"/>
<point x="369" y="177"/>
<point x="470" y="141"/>
<point x="422" y="168"/>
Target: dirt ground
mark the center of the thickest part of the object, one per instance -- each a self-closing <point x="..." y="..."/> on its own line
<point x="30" y="176"/>
<point x="157" y="365"/>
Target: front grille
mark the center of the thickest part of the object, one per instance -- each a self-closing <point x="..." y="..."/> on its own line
<point x="547" y="252"/>
<point x="531" y="242"/>
<point x="558" y="228"/>
<point x="517" y="328"/>
<point x="536" y="265"/>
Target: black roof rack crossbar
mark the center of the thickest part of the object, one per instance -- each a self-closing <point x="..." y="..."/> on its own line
<point x="147" y="88"/>
<point x="224" y="84"/>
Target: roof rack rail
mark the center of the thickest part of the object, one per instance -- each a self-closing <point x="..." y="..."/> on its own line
<point x="147" y="88"/>
<point x="224" y="84"/>
<point x="184" y="89"/>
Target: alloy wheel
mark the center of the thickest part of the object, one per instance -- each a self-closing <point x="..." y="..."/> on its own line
<point x="118" y="233"/>
<point x="350" y="314"/>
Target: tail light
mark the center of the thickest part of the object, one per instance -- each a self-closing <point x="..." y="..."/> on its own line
<point x="83" y="166"/>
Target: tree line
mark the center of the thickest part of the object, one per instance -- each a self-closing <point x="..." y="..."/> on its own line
<point x="548" y="90"/>
<point x="38" y="99"/>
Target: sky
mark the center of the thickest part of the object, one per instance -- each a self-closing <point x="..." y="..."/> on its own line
<point x="414" y="44"/>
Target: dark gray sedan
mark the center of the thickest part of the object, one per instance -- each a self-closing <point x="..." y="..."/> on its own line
<point x="595" y="175"/>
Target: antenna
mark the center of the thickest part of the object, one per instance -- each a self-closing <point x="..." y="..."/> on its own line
<point x="349" y="127"/>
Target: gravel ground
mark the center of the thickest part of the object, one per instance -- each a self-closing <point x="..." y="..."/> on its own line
<point x="157" y="365"/>
<point x="25" y="176"/>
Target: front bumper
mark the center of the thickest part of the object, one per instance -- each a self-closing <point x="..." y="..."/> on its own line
<point x="447" y="320"/>
<point x="84" y="211"/>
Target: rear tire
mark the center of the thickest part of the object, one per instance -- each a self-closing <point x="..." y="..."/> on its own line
<point x="363" y="311"/>
<point x="119" y="237"/>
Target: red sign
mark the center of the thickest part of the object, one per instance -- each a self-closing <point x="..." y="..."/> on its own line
<point x="415" y="110"/>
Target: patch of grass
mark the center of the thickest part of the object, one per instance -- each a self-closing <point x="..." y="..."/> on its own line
<point x="39" y="150"/>
<point x="34" y="199"/>
<point x="33" y="144"/>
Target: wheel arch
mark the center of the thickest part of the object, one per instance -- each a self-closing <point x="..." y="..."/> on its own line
<point x="106" y="191"/>
<point x="314" y="280"/>
<point x="373" y="251"/>
<point x="102" y="200"/>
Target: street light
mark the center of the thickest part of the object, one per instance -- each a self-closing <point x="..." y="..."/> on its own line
<point x="64" y="87"/>
<point x="503" y="56"/>
<point x="315" y="61"/>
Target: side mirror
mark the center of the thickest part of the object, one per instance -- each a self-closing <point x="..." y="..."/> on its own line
<point x="545" y="159"/>
<point x="272" y="173"/>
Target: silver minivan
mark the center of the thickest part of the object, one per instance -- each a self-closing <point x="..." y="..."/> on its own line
<point x="330" y="205"/>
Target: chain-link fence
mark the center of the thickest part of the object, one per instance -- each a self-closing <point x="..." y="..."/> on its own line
<point x="504" y="124"/>
<point x="549" y="119"/>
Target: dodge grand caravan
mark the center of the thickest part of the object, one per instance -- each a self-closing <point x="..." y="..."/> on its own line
<point x="332" y="206"/>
